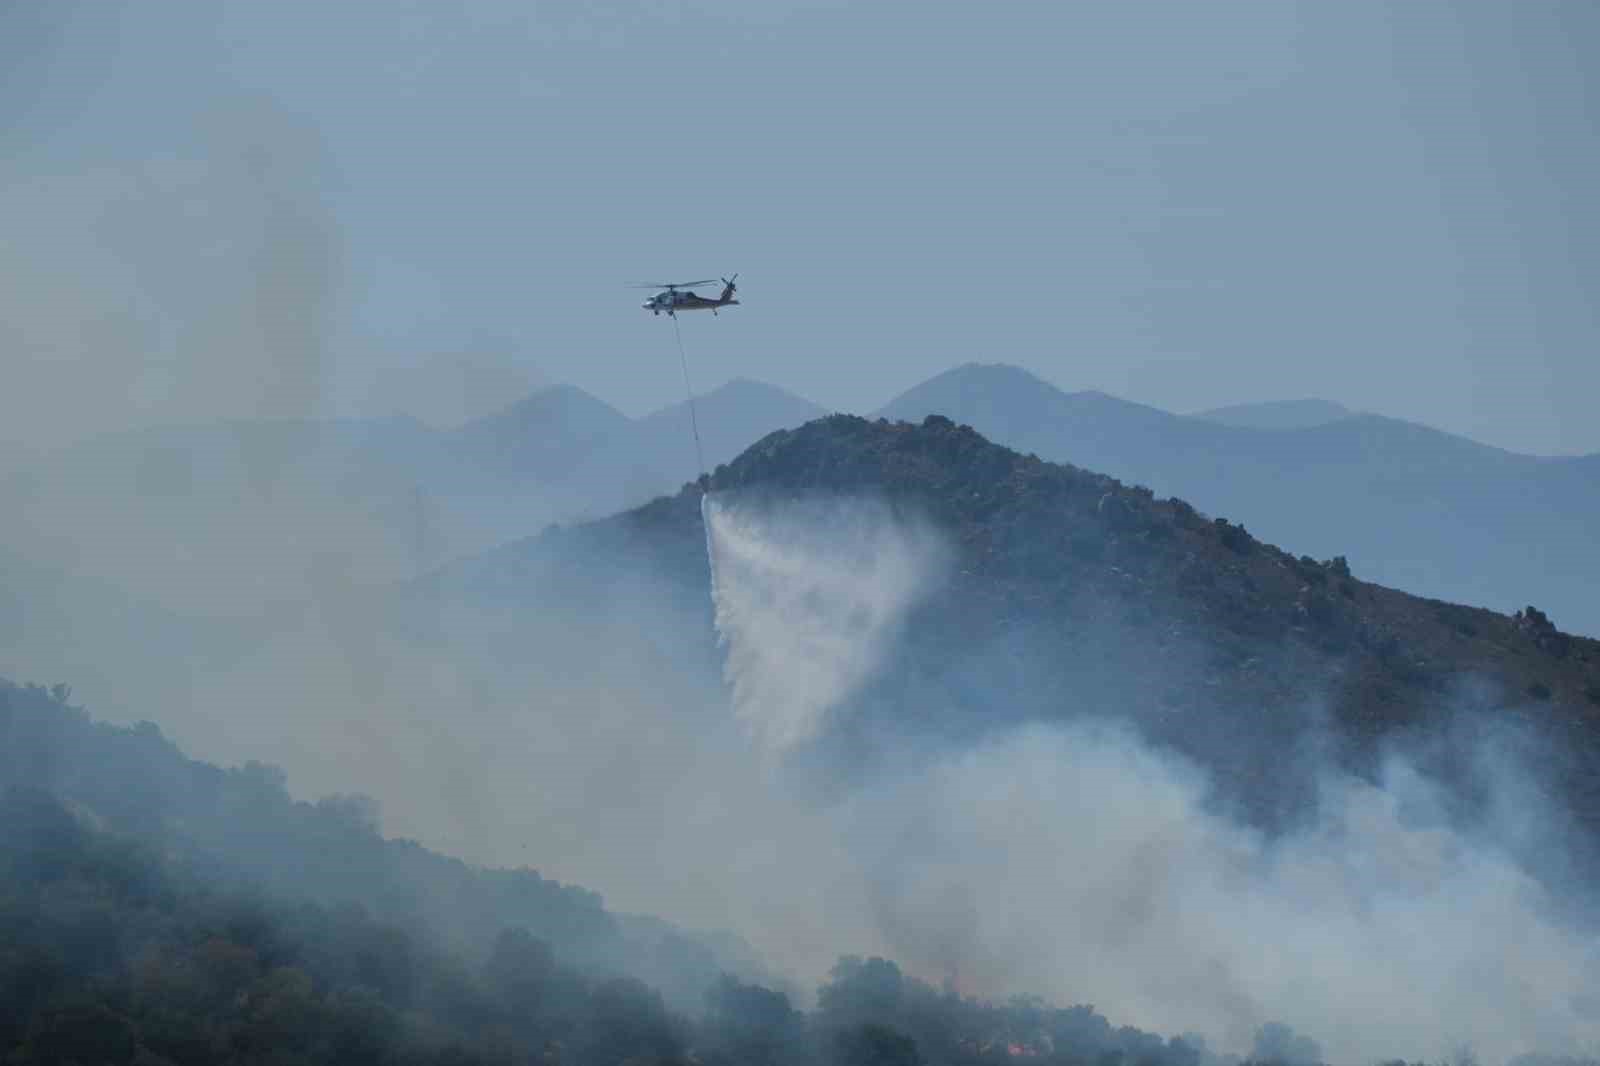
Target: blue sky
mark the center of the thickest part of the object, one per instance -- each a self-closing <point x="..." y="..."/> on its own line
<point x="1183" y="204"/>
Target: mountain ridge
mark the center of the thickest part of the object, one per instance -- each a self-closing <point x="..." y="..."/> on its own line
<point x="1417" y="508"/>
<point x="1277" y="414"/>
<point x="1218" y="643"/>
<point x="1436" y="514"/>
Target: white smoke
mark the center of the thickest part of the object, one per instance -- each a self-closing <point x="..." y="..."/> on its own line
<point x="1074" y="861"/>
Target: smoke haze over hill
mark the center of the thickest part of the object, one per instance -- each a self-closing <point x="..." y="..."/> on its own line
<point x="1077" y="862"/>
<point x="335" y="452"/>
<point x="566" y="701"/>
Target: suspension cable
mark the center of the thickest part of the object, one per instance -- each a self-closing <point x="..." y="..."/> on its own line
<point x="694" y="421"/>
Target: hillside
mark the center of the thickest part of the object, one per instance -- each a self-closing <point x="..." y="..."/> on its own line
<point x="1410" y="507"/>
<point x="156" y="910"/>
<point x="569" y="686"/>
<point x="240" y="827"/>
<point x="1074" y="593"/>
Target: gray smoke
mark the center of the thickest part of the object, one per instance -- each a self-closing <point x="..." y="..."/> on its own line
<point x="1076" y="862"/>
<point x="596" y="741"/>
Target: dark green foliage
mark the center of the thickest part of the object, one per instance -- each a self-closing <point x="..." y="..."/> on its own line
<point x="752" y="1025"/>
<point x="97" y="969"/>
<point x="242" y="824"/>
<point x="1233" y="537"/>
<point x="624" y="1019"/>
<point x="859" y="986"/>
<point x="194" y="974"/>
<point x="1311" y="571"/>
<point x="85" y="1031"/>
<point x="1184" y="516"/>
<point x="1536" y="624"/>
<point x="874" y="1044"/>
<point x="521" y="969"/>
<point x="116" y="950"/>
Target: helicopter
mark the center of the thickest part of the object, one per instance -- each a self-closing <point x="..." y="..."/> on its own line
<point x="675" y="297"/>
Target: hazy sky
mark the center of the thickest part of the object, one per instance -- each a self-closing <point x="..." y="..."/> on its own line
<point x="1387" y="205"/>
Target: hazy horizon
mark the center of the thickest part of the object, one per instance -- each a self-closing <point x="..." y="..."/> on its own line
<point x="464" y="381"/>
<point x="1382" y="206"/>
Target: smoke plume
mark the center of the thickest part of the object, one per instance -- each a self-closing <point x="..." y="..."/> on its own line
<point x="1075" y="861"/>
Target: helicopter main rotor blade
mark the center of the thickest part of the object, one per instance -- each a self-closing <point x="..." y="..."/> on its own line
<point x="672" y="284"/>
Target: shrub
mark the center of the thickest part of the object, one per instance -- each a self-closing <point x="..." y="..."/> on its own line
<point x="1311" y="571"/>
<point x="1234" y="538"/>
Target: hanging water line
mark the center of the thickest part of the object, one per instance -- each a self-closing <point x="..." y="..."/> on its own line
<point x="694" y="421"/>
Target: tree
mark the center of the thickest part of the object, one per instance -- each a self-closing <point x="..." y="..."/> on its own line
<point x="1279" y="1043"/>
<point x="861" y="988"/>
<point x="519" y="969"/>
<point x="874" y="1044"/>
<point x="751" y="1025"/>
<point x="626" y="1019"/>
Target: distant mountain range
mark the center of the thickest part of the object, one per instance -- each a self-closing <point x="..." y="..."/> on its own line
<point x="1409" y="506"/>
<point x="211" y="518"/>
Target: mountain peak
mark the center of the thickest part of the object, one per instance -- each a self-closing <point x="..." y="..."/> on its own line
<point x="560" y="400"/>
<point x="976" y="371"/>
<point x="976" y="393"/>
<point x="541" y="433"/>
<point x="1277" y="414"/>
<point x="1088" y="593"/>
<point x="985" y="377"/>
<point x="783" y="404"/>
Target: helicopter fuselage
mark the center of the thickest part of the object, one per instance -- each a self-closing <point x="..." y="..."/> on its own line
<point x="672" y="303"/>
<point x="680" y="297"/>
